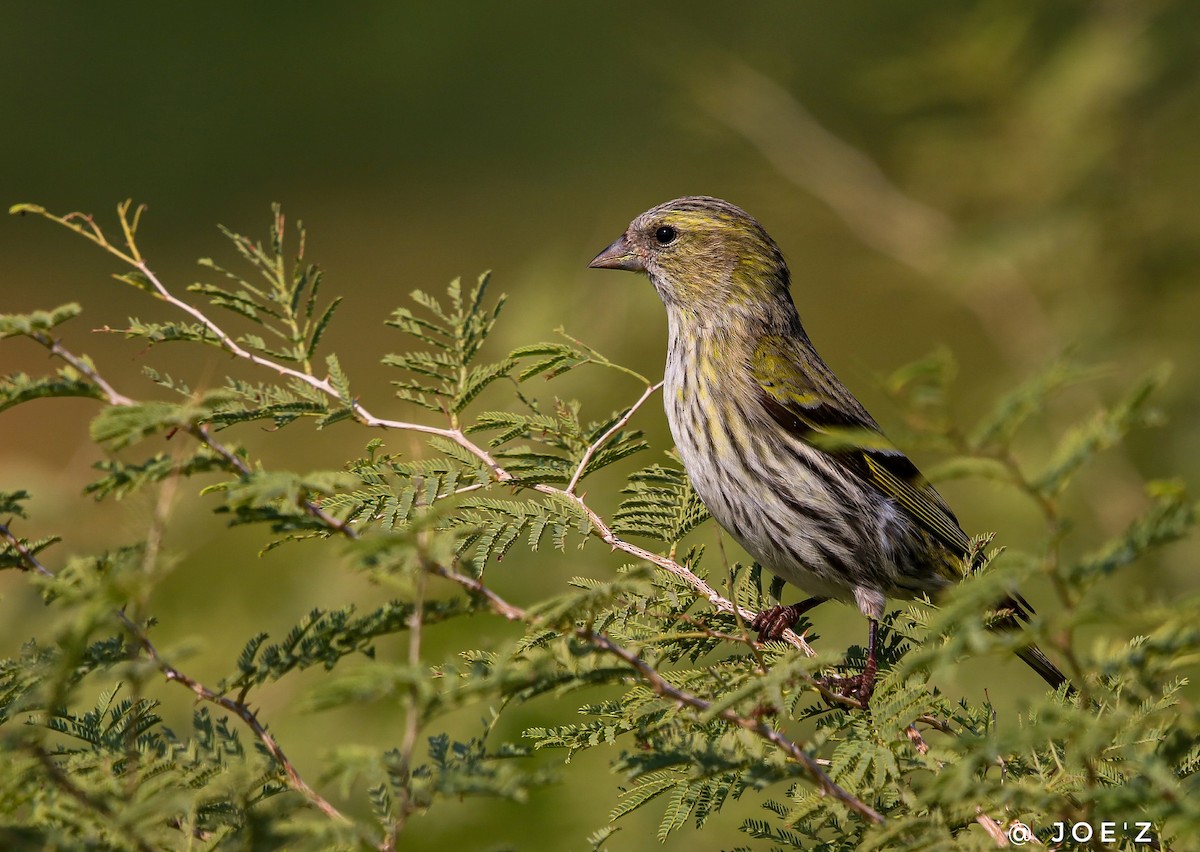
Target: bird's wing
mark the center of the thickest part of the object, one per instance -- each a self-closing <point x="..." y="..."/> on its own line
<point x="811" y="404"/>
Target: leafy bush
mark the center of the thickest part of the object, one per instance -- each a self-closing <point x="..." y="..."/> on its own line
<point x="693" y="711"/>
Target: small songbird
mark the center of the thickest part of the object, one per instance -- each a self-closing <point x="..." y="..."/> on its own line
<point x="782" y="454"/>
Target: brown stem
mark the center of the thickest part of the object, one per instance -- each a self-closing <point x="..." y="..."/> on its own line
<point x="239" y="709"/>
<point x="662" y="687"/>
<point x="607" y="436"/>
<point x="202" y="692"/>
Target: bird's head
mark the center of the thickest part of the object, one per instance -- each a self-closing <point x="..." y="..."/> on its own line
<point x="702" y="254"/>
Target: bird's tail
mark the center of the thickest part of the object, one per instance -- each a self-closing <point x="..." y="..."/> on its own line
<point x="1040" y="663"/>
<point x="1010" y="614"/>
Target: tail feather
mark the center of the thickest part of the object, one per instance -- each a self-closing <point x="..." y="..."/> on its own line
<point x="1040" y="663"/>
<point x="1011" y="614"/>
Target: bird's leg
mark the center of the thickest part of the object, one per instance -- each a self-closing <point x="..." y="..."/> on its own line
<point x="772" y="622"/>
<point x="866" y="684"/>
<point x="860" y="686"/>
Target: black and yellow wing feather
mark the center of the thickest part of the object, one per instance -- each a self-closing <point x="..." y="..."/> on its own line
<point x="812" y="405"/>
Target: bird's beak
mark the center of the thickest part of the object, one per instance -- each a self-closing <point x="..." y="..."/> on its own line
<point x="618" y="256"/>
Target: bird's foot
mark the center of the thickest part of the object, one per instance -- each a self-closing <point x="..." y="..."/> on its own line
<point x="772" y="623"/>
<point x="857" y="687"/>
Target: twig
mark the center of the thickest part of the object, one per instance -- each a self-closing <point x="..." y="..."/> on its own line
<point x="467" y="489"/>
<point x="936" y="723"/>
<point x="361" y="413"/>
<point x="239" y="709"/>
<point x="227" y="342"/>
<point x="83" y="367"/>
<point x="412" y="718"/>
<point x="703" y="630"/>
<point x="662" y="687"/>
<point x="741" y="622"/>
<point x="760" y="729"/>
<point x="992" y="827"/>
<point x="607" y="436"/>
<point x="197" y="431"/>
<point x="497" y="603"/>
<point x="323" y="385"/>
<point x="597" y="358"/>
<point x="719" y="603"/>
<point x="24" y="552"/>
<point x="202" y="692"/>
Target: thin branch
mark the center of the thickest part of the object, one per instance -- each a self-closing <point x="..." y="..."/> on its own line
<point x="936" y="723"/>
<point x="93" y="233"/>
<point x="323" y="385"/>
<point x="24" y="552"/>
<point x="662" y="687"/>
<point x="239" y="709"/>
<point x="741" y="622"/>
<point x="197" y="431"/>
<point x="83" y="367"/>
<point x="992" y="827"/>
<point x="755" y="726"/>
<point x="202" y="692"/>
<point x="475" y="586"/>
<point x="719" y="603"/>
<point x="607" y="436"/>
<point x="412" y="717"/>
<point x="594" y="357"/>
<point x="499" y="474"/>
<point x="130" y="226"/>
<point x="704" y="631"/>
<point x="467" y="489"/>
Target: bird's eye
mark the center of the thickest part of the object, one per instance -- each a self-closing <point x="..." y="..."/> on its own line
<point x="665" y="235"/>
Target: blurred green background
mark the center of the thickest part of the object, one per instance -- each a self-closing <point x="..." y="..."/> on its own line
<point x="1003" y="179"/>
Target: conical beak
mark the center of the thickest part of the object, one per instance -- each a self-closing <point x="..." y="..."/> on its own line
<point x="618" y="256"/>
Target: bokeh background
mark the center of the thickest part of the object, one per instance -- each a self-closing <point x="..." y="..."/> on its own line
<point x="1004" y="179"/>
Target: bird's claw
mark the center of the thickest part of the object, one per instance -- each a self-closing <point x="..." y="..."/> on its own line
<point x="772" y="623"/>
<point x="857" y="687"/>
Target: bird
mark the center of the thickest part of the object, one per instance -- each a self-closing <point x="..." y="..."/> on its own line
<point x="782" y="454"/>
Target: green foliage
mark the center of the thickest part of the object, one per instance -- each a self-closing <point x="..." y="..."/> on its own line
<point x="16" y="388"/>
<point x="123" y="478"/>
<point x="447" y="377"/>
<point x="38" y="322"/>
<point x="325" y="638"/>
<point x="661" y="505"/>
<point x="14" y="551"/>
<point x="284" y="304"/>
<point x="206" y="786"/>
<point x="653" y="664"/>
<point x="498" y="524"/>
<point x="560" y="442"/>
